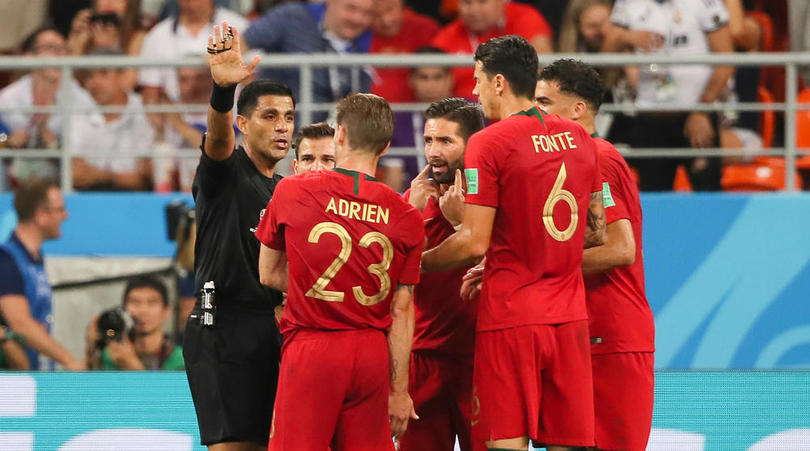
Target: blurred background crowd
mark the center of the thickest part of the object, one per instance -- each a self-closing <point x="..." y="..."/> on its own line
<point x="114" y="143"/>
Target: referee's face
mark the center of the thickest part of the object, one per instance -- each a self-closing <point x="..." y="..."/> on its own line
<point x="269" y="128"/>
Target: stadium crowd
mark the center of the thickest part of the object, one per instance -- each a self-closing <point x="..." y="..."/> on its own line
<point x="114" y="158"/>
<point x="473" y="258"/>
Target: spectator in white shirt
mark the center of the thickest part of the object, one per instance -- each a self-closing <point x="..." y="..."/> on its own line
<point x="675" y="27"/>
<point x="177" y="37"/>
<point x="110" y="146"/>
<point x="42" y="87"/>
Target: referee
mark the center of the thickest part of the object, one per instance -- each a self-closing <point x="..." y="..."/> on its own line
<point x="232" y="364"/>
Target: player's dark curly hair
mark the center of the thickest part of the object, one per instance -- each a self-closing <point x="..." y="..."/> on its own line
<point x="468" y="116"/>
<point x="576" y="78"/>
<point x="513" y="57"/>
<point x="249" y="97"/>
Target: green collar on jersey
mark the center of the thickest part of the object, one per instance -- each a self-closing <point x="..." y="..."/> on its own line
<point x="595" y="135"/>
<point x="533" y="111"/>
<point x="356" y="175"/>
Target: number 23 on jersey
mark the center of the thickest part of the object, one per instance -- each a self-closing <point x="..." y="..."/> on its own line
<point x="380" y="270"/>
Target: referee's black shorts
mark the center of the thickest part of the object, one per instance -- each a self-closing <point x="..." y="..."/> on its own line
<point x="233" y="372"/>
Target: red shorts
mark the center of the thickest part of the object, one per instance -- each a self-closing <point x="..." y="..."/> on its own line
<point x="441" y="389"/>
<point x="623" y="391"/>
<point x="332" y="392"/>
<point x="534" y="381"/>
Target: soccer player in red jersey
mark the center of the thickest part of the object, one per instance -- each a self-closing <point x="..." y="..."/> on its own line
<point x="533" y="202"/>
<point x="442" y="357"/>
<point x="351" y="247"/>
<point x="620" y="319"/>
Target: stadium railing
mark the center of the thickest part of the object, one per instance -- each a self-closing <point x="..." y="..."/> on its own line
<point x="306" y="105"/>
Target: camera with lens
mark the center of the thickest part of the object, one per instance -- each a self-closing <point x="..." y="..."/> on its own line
<point x="179" y="217"/>
<point x="182" y="228"/>
<point x="113" y="325"/>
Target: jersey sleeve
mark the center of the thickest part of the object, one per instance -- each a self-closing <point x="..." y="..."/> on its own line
<point x="270" y="231"/>
<point x="11" y="283"/>
<point x="597" y="180"/>
<point x="481" y="171"/>
<point x="613" y="191"/>
<point x="212" y="174"/>
<point x="412" y="267"/>
<point x="713" y="15"/>
<point x="620" y="15"/>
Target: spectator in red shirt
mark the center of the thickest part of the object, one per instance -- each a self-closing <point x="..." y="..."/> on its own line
<point x="481" y="20"/>
<point x="397" y="29"/>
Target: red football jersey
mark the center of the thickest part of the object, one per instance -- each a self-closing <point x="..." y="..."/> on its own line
<point x="539" y="171"/>
<point x="522" y="20"/>
<point x="350" y="240"/>
<point x="445" y="324"/>
<point x="417" y="31"/>
<point x="620" y="317"/>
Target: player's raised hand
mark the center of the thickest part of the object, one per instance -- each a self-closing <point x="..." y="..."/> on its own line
<point x="400" y="411"/>
<point x="422" y="189"/>
<point x="225" y="57"/>
<point x="452" y="201"/>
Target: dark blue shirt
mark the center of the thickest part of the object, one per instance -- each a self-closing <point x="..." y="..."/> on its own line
<point x="23" y="274"/>
<point x="298" y="28"/>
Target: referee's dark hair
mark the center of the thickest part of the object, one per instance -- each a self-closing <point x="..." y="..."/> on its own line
<point x="314" y="131"/>
<point x="468" y="116"/>
<point x="146" y="282"/>
<point x="513" y="57"/>
<point x="575" y="78"/>
<point x="249" y="97"/>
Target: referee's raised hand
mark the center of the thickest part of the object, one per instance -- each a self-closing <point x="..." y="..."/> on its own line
<point x="225" y="57"/>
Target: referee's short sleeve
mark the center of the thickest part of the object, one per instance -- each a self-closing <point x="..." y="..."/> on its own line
<point x="713" y="15"/>
<point x="212" y="175"/>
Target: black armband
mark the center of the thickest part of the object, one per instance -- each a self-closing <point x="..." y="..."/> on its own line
<point x="222" y="98"/>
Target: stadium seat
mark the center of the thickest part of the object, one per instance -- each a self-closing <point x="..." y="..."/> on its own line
<point x="681" y="182"/>
<point x="763" y="174"/>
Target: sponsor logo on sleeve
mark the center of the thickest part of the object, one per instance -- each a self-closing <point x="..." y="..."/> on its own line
<point x="606" y="197"/>
<point x="472" y="180"/>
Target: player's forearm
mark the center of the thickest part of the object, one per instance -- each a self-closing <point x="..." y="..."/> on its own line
<point x="606" y="257"/>
<point x="400" y="337"/>
<point x="273" y="268"/>
<point x="455" y="252"/>
<point x="595" y="227"/>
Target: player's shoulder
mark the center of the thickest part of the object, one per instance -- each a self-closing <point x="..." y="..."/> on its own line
<point x="608" y="152"/>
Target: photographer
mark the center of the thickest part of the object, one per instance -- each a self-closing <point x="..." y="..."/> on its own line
<point x="133" y="338"/>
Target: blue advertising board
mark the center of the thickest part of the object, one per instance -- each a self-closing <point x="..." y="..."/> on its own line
<point x="728" y="276"/>
<point x="695" y="411"/>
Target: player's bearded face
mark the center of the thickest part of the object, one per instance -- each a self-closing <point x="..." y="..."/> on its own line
<point x="444" y="149"/>
<point x="269" y="129"/>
